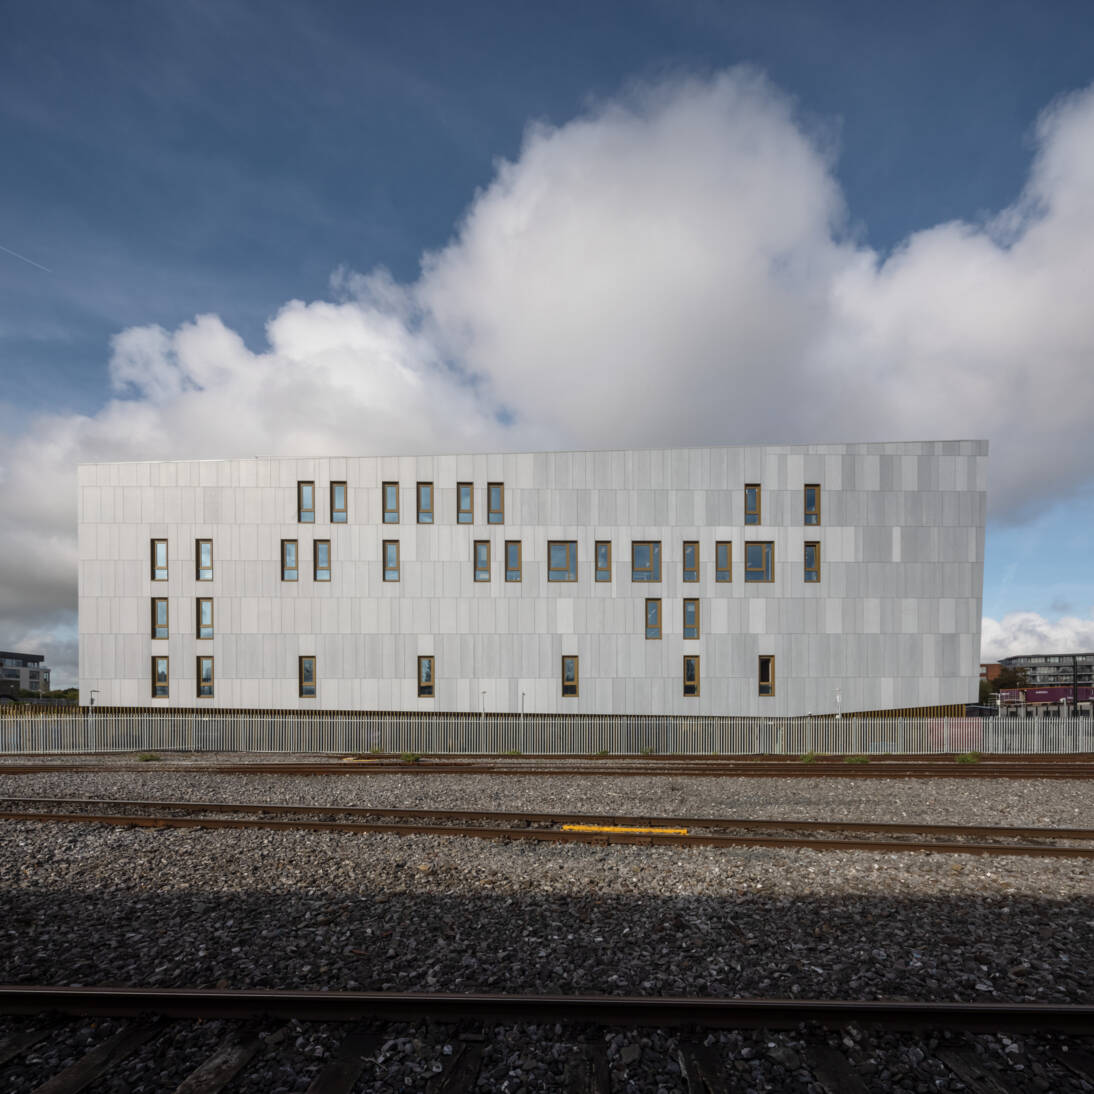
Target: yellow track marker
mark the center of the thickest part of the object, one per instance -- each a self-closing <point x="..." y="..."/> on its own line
<point x="619" y="828"/>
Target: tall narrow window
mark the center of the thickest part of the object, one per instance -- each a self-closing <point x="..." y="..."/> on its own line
<point x="569" y="677"/>
<point x="425" y="503"/>
<point x="812" y="562"/>
<point x="465" y="503"/>
<point x="653" y="617"/>
<point x="159" y="560"/>
<point x="161" y="678"/>
<point x="752" y="503"/>
<point x="562" y="560"/>
<point x="691" y="676"/>
<point x="723" y="560"/>
<point x="603" y="560"/>
<point x="321" y="560"/>
<point x="204" y="622"/>
<point x="513" y="560"/>
<point x="646" y="560"/>
<point x="425" y="677"/>
<point x="691" y="617"/>
<point x="203" y="558"/>
<point x="159" y="617"/>
<point x="482" y="560"/>
<point x="290" y="571"/>
<point x="306" y="678"/>
<point x="391" y="502"/>
<point x="758" y="562"/>
<point x="691" y="560"/>
<point x="391" y="560"/>
<point x="305" y="502"/>
<point x="205" y="677"/>
<point x="339" y="511"/>
<point x="767" y="675"/>
<point x="495" y="503"/>
<point x="812" y="503"/>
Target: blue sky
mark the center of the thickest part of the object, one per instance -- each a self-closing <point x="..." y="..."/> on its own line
<point x="166" y="161"/>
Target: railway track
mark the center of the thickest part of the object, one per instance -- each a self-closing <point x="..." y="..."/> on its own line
<point x="563" y="827"/>
<point x="360" y="1028"/>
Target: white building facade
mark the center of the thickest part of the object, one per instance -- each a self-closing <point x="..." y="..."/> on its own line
<point x="759" y="580"/>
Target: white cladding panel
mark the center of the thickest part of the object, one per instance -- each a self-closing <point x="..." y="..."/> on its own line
<point x="894" y="621"/>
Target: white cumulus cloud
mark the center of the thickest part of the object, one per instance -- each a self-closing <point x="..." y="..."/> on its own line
<point x="1028" y="632"/>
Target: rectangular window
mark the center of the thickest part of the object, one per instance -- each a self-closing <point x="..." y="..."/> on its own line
<point x="306" y="678"/>
<point x="691" y="676"/>
<point x="691" y="617"/>
<point x="204" y="620"/>
<point x="289" y="569"/>
<point x="205" y="677"/>
<point x="482" y="560"/>
<point x="812" y="562"/>
<point x="391" y="560"/>
<point x="159" y="617"/>
<point x="812" y="503"/>
<point x="425" y="677"/>
<point x="161" y="678"/>
<point x="752" y="503"/>
<point x="646" y="560"/>
<point x="653" y="617"/>
<point x="603" y="560"/>
<point x="758" y="562"/>
<point x="569" y="677"/>
<point x="425" y="503"/>
<point x="203" y="557"/>
<point x="513" y="560"/>
<point x="465" y="503"/>
<point x="767" y="675"/>
<point x="321" y="560"/>
<point x="391" y="502"/>
<point x="691" y="560"/>
<point x="339" y="513"/>
<point x="159" y="560"/>
<point x="495" y="503"/>
<point x="723" y="560"/>
<point x="305" y="502"/>
<point x="562" y="560"/>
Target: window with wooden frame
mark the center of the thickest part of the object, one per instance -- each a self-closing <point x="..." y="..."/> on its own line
<point x="321" y="560"/>
<point x="753" y="502"/>
<point x="691" y="617"/>
<point x="159" y="559"/>
<point x="203" y="623"/>
<point x="203" y="559"/>
<point x="339" y="503"/>
<point x="758" y="561"/>
<point x="161" y="678"/>
<point x="513" y="560"/>
<point x="691" y="560"/>
<point x="653" y="617"/>
<point x="160" y="627"/>
<point x="766" y="678"/>
<point x="305" y="502"/>
<point x="495" y="503"/>
<point x="425" y="677"/>
<point x="390" y="494"/>
<point x="691" y="676"/>
<point x="812" y="562"/>
<point x="391" y="560"/>
<point x="290" y="568"/>
<point x="482" y="560"/>
<point x="425" y="503"/>
<point x="811" y="503"/>
<point x="465" y="503"/>
<point x="603" y="560"/>
<point x="646" y="560"/>
<point x="570" y="680"/>
<point x="306" y="680"/>
<point x="723" y="560"/>
<point x="205" y="677"/>
<point x="562" y="560"/>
